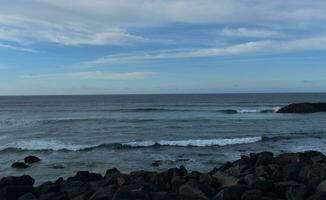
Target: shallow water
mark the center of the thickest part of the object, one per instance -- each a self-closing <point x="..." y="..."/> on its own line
<point x="72" y="133"/>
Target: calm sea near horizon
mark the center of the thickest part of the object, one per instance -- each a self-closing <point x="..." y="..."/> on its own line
<point x="199" y="131"/>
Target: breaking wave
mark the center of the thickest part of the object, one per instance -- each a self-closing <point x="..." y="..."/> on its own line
<point x="53" y="145"/>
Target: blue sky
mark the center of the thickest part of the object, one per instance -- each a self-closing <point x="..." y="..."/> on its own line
<point x="162" y="46"/>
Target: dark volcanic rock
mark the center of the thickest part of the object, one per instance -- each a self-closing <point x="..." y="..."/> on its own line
<point x="31" y="159"/>
<point x="303" y="108"/>
<point x="290" y="176"/>
<point x="19" y="165"/>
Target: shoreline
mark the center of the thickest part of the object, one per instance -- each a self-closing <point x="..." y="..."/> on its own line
<point x="255" y="176"/>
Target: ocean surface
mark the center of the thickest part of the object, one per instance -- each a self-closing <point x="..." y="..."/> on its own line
<point x="72" y="133"/>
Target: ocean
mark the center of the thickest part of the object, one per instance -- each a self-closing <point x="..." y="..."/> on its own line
<point x="130" y="132"/>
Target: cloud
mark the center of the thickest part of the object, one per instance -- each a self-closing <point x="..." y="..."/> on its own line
<point x="98" y="22"/>
<point x="261" y="46"/>
<point x="27" y="31"/>
<point x="251" y="33"/>
<point x="5" y="46"/>
<point x="96" y="75"/>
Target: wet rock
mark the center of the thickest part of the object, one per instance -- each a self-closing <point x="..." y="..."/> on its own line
<point x="303" y="108"/>
<point x="14" y="192"/>
<point x="19" y="165"/>
<point x="156" y="163"/>
<point x="54" y="196"/>
<point x="258" y="182"/>
<point x="318" y="196"/>
<point x="31" y="159"/>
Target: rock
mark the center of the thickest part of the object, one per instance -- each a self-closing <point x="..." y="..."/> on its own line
<point x="191" y="190"/>
<point x="31" y="159"/>
<point x="303" y="108"/>
<point x="85" y="176"/>
<point x="76" y="188"/>
<point x="224" y="179"/>
<point x="251" y="195"/>
<point x="28" y="196"/>
<point x="104" y="193"/>
<point x="289" y="158"/>
<point x="19" y="165"/>
<point x="260" y="183"/>
<point x="47" y="187"/>
<point x="14" y="192"/>
<point x="264" y="158"/>
<point x="24" y="180"/>
<point x="313" y="175"/>
<point x="322" y="187"/>
<point x="291" y="171"/>
<point x="156" y="163"/>
<point x="131" y="192"/>
<point x="296" y="193"/>
<point x="318" y="196"/>
<point x="231" y="193"/>
<point x="54" y="196"/>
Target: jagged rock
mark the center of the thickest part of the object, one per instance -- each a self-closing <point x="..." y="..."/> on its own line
<point x="264" y="158"/>
<point x="322" y="187"/>
<point x="104" y="193"/>
<point x="257" y="182"/>
<point x="318" y="196"/>
<point x="54" y="196"/>
<point x="251" y="195"/>
<point x="131" y="192"/>
<point x="19" y="165"/>
<point x="191" y="190"/>
<point x="224" y="179"/>
<point x="28" y="196"/>
<point x="75" y="188"/>
<point x="231" y="193"/>
<point x="85" y="176"/>
<point x="31" y="159"/>
<point x="313" y="175"/>
<point x="24" y="180"/>
<point x="303" y="108"/>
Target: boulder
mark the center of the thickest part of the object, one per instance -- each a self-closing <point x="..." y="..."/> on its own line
<point x="28" y="196"/>
<point x="31" y="159"/>
<point x="191" y="190"/>
<point x="251" y="195"/>
<point x="85" y="176"/>
<point x="225" y="179"/>
<point x="19" y="165"/>
<point x="313" y="175"/>
<point x="14" y="192"/>
<point x="231" y="193"/>
<point x="24" y="180"/>
<point x="303" y="108"/>
<point x="322" y="186"/>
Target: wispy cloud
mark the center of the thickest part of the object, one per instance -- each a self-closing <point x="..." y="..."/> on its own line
<point x="251" y="33"/>
<point x="261" y="46"/>
<point x="94" y="75"/>
<point x="5" y="46"/>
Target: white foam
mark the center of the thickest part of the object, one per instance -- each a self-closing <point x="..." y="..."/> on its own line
<point x="44" y="145"/>
<point x="198" y="142"/>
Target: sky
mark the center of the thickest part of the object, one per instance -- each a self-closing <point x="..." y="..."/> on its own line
<point x="162" y="46"/>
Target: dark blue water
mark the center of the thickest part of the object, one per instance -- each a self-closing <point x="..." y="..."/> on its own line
<point x="72" y="133"/>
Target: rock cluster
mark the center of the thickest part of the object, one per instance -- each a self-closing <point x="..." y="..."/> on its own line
<point x="303" y="108"/>
<point x="27" y="160"/>
<point x="258" y="176"/>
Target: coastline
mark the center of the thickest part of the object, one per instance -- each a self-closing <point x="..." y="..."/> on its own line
<point x="256" y="176"/>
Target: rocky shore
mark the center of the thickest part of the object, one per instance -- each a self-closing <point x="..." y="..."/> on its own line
<point x="292" y="176"/>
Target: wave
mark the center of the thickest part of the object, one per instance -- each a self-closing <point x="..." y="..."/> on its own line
<point x="53" y="145"/>
<point x="242" y="111"/>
